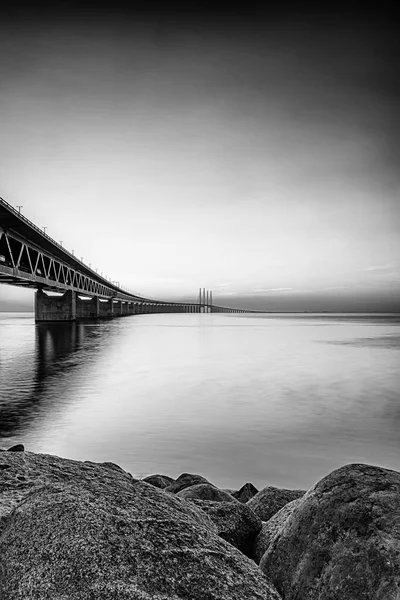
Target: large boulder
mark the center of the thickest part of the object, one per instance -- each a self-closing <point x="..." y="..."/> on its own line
<point x="236" y="523"/>
<point x="184" y="481"/>
<point x="116" y="538"/>
<point x="270" y="499"/>
<point x="205" y="491"/>
<point x="342" y="540"/>
<point x="246" y="492"/>
<point x="270" y="529"/>
<point x="159" y="481"/>
<point x="23" y="472"/>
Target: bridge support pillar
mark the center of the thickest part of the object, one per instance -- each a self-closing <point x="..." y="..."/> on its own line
<point x="106" y="309"/>
<point x="55" y="308"/>
<point x="87" y="309"/>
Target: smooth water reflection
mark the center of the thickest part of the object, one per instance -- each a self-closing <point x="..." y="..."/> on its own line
<point x="268" y="399"/>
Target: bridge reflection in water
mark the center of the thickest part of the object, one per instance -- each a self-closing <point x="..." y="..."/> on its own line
<point x="59" y="350"/>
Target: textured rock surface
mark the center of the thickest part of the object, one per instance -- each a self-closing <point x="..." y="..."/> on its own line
<point x="107" y="465"/>
<point x="101" y="535"/>
<point x="236" y="523"/>
<point x="343" y="539"/>
<point x="269" y="500"/>
<point x="270" y="529"/>
<point x="159" y="481"/>
<point x="26" y="471"/>
<point x="205" y="491"/>
<point x="246" y="492"/>
<point x="184" y="481"/>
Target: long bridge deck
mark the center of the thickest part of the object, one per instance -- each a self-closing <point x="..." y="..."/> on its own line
<point x="31" y="258"/>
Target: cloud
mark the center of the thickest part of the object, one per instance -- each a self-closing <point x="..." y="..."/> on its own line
<point x="386" y="267"/>
<point x="263" y="290"/>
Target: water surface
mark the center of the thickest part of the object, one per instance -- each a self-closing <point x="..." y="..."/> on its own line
<point x="272" y="399"/>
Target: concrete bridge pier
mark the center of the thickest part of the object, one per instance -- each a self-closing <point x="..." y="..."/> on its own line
<point x="106" y="309"/>
<point x="55" y="308"/>
<point x="87" y="309"/>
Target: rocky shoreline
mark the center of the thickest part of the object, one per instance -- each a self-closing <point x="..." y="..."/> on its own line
<point x="75" y="530"/>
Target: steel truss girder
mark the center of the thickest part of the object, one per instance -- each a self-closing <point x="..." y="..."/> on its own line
<point x="23" y="263"/>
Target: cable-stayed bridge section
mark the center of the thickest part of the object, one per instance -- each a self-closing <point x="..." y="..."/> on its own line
<point x="67" y="288"/>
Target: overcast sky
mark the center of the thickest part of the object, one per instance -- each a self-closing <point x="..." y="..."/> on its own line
<point x="253" y="154"/>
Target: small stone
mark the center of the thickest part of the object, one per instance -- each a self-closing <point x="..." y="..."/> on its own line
<point x="236" y="523"/>
<point x="159" y="481"/>
<point x="17" y="448"/>
<point x="269" y="500"/>
<point x="246" y="492"/>
<point x="205" y="491"/>
<point x="185" y="480"/>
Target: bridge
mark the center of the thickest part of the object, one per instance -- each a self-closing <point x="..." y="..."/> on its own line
<point x="66" y="288"/>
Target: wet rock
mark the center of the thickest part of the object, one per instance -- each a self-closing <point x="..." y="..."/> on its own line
<point x="236" y="523"/>
<point x="102" y="536"/>
<point x="246" y="492"/>
<point x="159" y="481"/>
<point x="184" y="481"/>
<point x="269" y="500"/>
<point x="270" y="529"/>
<point x="205" y="491"/>
<point x="342" y="540"/>
<point x="17" y="448"/>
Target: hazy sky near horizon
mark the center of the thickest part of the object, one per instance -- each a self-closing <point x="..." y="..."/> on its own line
<point x="253" y="154"/>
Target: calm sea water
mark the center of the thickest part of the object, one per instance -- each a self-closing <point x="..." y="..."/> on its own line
<point x="273" y="399"/>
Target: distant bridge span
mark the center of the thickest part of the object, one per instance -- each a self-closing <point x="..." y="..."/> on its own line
<point x="30" y="258"/>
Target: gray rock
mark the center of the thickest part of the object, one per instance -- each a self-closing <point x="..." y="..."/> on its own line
<point x="100" y="535"/>
<point x="17" y="448"/>
<point x="205" y="491"/>
<point x="236" y="523"/>
<point x="246" y="492"/>
<point x="185" y="480"/>
<point x="270" y="529"/>
<point x="159" y="481"/>
<point x="343" y="539"/>
<point x="269" y="500"/>
<point x="28" y="471"/>
<point x="107" y="465"/>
